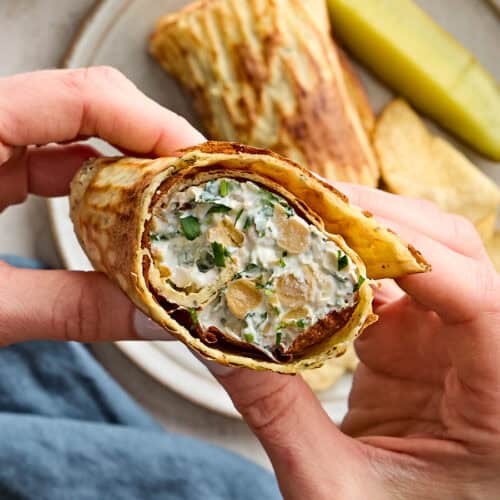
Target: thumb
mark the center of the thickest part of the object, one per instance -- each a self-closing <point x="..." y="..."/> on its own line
<point x="64" y="305"/>
<point x="303" y="444"/>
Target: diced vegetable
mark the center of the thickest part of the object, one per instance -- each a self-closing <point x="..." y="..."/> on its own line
<point x="190" y="226"/>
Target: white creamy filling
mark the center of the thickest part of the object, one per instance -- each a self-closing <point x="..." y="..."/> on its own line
<point x="290" y="275"/>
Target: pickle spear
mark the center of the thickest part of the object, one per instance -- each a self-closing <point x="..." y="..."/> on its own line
<point x="406" y="49"/>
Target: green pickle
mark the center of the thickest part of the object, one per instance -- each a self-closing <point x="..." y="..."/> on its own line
<point x="414" y="56"/>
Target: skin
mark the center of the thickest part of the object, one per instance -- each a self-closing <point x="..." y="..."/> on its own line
<point x="424" y="415"/>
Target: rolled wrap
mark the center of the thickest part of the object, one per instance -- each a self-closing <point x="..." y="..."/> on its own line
<point x="267" y="73"/>
<point x="112" y="205"/>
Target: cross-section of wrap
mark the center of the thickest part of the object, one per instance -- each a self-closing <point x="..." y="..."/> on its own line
<point x="267" y="73"/>
<point x="243" y="255"/>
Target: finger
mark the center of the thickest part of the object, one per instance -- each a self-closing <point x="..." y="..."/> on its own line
<point x="59" y="105"/>
<point x="385" y="292"/>
<point x="63" y="305"/>
<point x="43" y="171"/>
<point x="291" y="424"/>
<point x="423" y="216"/>
<point x="62" y="105"/>
<point x="405" y="342"/>
<point x="458" y="288"/>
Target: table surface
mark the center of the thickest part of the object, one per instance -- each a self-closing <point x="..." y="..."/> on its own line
<point x="37" y="33"/>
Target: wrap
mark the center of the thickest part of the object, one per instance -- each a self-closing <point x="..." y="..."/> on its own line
<point x="243" y="255"/>
<point x="267" y="73"/>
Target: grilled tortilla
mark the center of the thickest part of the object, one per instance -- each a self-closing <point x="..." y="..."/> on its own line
<point x="268" y="74"/>
<point x="246" y="257"/>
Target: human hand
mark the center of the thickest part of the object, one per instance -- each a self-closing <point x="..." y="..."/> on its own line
<point x="62" y="106"/>
<point x="424" y="411"/>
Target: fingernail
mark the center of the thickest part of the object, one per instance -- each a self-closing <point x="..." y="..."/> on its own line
<point x="214" y="368"/>
<point x="147" y="329"/>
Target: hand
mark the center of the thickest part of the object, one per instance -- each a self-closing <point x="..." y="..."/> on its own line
<point x="62" y="106"/>
<point x="424" y="411"/>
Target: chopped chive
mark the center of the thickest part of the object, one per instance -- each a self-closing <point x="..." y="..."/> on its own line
<point x="238" y="215"/>
<point x="342" y="260"/>
<point x="194" y="315"/>
<point x="223" y="188"/>
<point x="301" y="324"/>
<point x="276" y="310"/>
<point x="218" y="209"/>
<point x="220" y="254"/>
<point x="156" y="237"/>
<point x="268" y="292"/>
<point x="278" y="339"/>
<point x="248" y="223"/>
<point x="190" y="226"/>
<point x="361" y="280"/>
<point x="248" y="337"/>
<point x="282" y="262"/>
<point x="251" y="267"/>
<point x="205" y="262"/>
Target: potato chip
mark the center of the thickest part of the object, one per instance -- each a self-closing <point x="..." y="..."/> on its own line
<point x="321" y="379"/>
<point x="418" y="164"/>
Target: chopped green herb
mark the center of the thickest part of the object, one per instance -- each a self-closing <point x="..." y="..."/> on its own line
<point x="218" y="209"/>
<point x="248" y="223"/>
<point x="190" y="226"/>
<point x="238" y="215"/>
<point x="342" y="260"/>
<point x="194" y="315"/>
<point x="278" y="339"/>
<point x="282" y="262"/>
<point x="361" y="280"/>
<point x="248" y="337"/>
<point x="301" y="323"/>
<point x="220" y="254"/>
<point x="237" y="276"/>
<point x="157" y="237"/>
<point x="276" y="310"/>
<point x="263" y="318"/>
<point x="267" y="208"/>
<point x="251" y="267"/>
<point x="205" y="262"/>
<point x="223" y="188"/>
<point x="268" y="292"/>
<point x="266" y="285"/>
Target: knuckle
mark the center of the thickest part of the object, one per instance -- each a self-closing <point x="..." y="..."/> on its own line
<point x="426" y="206"/>
<point x="463" y="230"/>
<point x="76" y="312"/>
<point x="82" y="79"/>
<point x="488" y="288"/>
<point x="5" y="316"/>
<point x="267" y="412"/>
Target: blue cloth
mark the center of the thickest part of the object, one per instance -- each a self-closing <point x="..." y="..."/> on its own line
<point x="68" y="431"/>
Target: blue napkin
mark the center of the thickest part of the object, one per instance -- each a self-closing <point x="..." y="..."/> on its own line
<point x="68" y="431"/>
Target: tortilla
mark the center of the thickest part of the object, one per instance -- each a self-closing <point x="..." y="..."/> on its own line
<point x="321" y="379"/>
<point x="418" y="164"/>
<point x="114" y="202"/>
<point x="268" y="74"/>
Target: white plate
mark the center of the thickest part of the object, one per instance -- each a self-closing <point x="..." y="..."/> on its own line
<point x="116" y="34"/>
